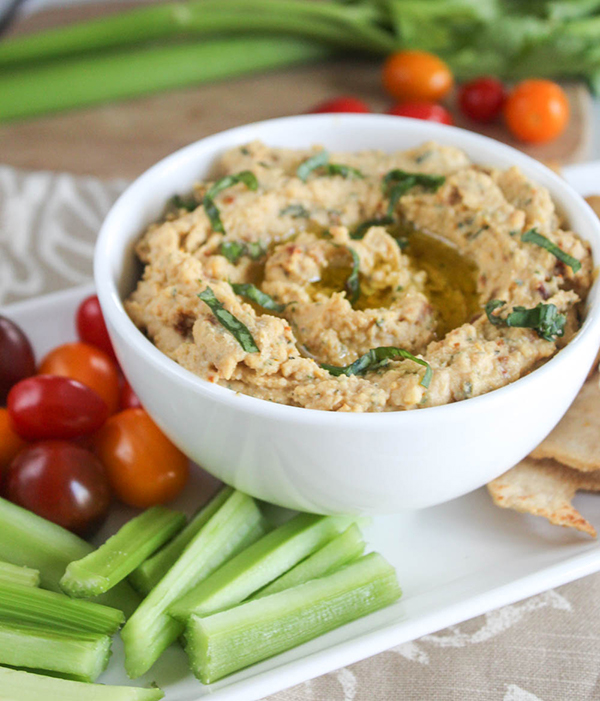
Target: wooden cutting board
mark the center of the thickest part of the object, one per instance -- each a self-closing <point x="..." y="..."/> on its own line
<point x="125" y="138"/>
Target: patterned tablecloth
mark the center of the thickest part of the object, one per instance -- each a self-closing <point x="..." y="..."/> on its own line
<point x="543" y="649"/>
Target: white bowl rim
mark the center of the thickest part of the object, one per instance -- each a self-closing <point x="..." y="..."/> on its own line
<point x="112" y="304"/>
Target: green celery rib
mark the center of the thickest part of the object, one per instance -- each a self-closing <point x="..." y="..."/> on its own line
<point x="151" y="629"/>
<point x="259" y="564"/>
<point x="345" y="548"/>
<point x="150" y="572"/>
<point x="102" y="569"/>
<point x="81" y="655"/>
<point x="31" y="541"/>
<point x="17" y="685"/>
<point x="15" y="574"/>
<point x="97" y="78"/>
<point x="47" y="608"/>
<point x="225" y="642"/>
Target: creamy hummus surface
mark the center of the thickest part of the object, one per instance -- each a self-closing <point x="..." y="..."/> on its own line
<point x="306" y="262"/>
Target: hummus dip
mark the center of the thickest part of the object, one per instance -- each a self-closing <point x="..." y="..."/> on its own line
<point x="361" y="281"/>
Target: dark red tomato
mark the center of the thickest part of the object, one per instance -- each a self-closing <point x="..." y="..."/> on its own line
<point x="129" y="399"/>
<point x="422" y="110"/>
<point x="346" y="103"/>
<point x="482" y="99"/>
<point x="46" y="406"/>
<point x="61" y="482"/>
<point x="91" y="327"/>
<point x="16" y="357"/>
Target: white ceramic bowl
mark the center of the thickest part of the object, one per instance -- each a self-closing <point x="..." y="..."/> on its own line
<point x="323" y="461"/>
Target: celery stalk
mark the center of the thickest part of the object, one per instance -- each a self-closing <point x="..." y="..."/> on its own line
<point x="31" y="541"/>
<point x="345" y="548"/>
<point x="259" y="564"/>
<point x="17" y="685"/>
<point x="47" y="608"/>
<point x="14" y="574"/>
<point x="151" y="629"/>
<point x="253" y="631"/>
<point x="81" y="655"/>
<point x="102" y="569"/>
<point x="150" y="572"/>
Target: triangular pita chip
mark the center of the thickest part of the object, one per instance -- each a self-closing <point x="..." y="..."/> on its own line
<point x="545" y="488"/>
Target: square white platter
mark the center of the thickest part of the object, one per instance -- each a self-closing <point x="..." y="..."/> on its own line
<point x="454" y="561"/>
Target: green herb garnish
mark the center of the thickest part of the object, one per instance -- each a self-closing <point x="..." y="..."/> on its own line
<point x="296" y="211"/>
<point x="532" y="236"/>
<point x="234" y="250"/>
<point x="362" y="229"/>
<point x="343" y="170"/>
<point x="257" y="296"/>
<point x="398" y="182"/>
<point x="246" y="177"/>
<point x="179" y="202"/>
<point x="545" y="319"/>
<point x="352" y="285"/>
<point x="235" y="327"/>
<point x="377" y="358"/>
<point x="306" y="167"/>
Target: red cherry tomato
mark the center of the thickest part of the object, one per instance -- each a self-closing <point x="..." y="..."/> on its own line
<point x="537" y="111"/>
<point x="61" y="482"/>
<point x="91" y="327"/>
<point x="10" y="442"/>
<point x="416" y="76"/>
<point x="46" y="406"/>
<point x="88" y="365"/>
<point x="346" y="103"/>
<point x="482" y="99"/>
<point x="129" y="399"/>
<point x="422" y="110"/>
<point x="144" y="468"/>
<point x="16" y="357"/>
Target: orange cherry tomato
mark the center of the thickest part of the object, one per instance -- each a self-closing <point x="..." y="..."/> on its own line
<point x="88" y="365"/>
<point x="416" y="76"/>
<point x="10" y="442"/>
<point x="144" y="468"/>
<point x="537" y="111"/>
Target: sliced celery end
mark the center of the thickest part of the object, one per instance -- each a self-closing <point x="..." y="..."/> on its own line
<point x="105" y="567"/>
<point x="17" y="685"/>
<point x="225" y="642"/>
<point x="17" y="574"/>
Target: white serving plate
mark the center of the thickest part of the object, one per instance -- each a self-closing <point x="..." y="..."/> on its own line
<point x="454" y="561"/>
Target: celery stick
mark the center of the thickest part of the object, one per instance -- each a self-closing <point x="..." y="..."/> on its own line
<point x="102" y="569"/>
<point x="253" y="631"/>
<point x="259" y="564"/>
<point x="81" y="655"/>
<point x="14" y="574"/>
<point x="47" y="608"/>
<point x="31" y="541"/>
<point x="17" y="685"/>
<point x="151" y="630"/>
<point x="345" y="548"/>
<point x="150" y="572"/>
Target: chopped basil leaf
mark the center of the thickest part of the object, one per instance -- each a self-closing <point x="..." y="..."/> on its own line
<point x="310" y="164"/>
<point x="545" y="319"/>
<point x="234" y="250"/>
<point x="398" y="182"/>
<point x="246" y="177"/>
<point x="296" y="211"/>
<point x="532" y="236"/>
<point x="255" y="250"/>
<point x="343" y="170"/>
<point x="261" y="298"/>
<point x="362" y="229"/>
<point x="352" y="285"/>
<point x="189" y="203"/>
<point x="377" y="358"/>
<point x="235" y="327"/>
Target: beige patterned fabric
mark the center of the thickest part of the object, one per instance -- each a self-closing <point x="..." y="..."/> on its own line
<point x="546" y="648"/>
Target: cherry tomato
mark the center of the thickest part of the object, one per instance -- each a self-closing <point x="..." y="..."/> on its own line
<point x="16" y="357"/>
<point x="91" y="327"/>
<point x="46" y="406"/>
<point x="129" y="399"/>
<point x="482" y="99"/>
<point x="416" y="76"/>
<point x="422" y="110"/>
<point x="144" y="468"/>
<point x="10" y="442"/>
<point x="88" y="365"/>
<point x="537" y="111"/>
<point x="341" y="104"/>
<point x="61" y="482"/>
